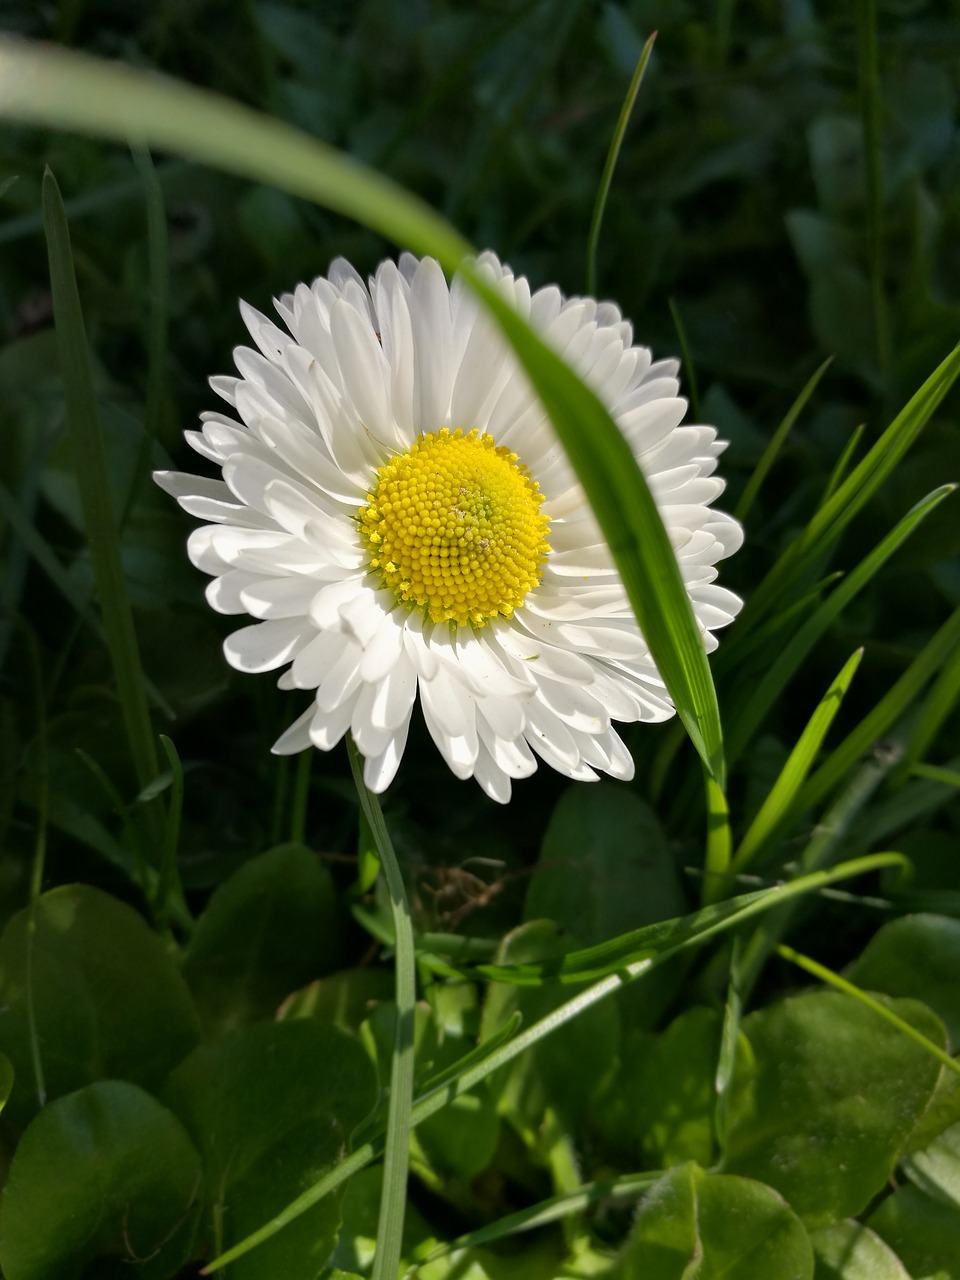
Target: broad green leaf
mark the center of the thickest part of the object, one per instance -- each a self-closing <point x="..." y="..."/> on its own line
<point x="343" y="999"/>
<point x="57" y="87"/>
<point x="269" y="1107"/>
<point x="848" y="1250"/>
<point x="605" y="866"/>
<point x="108" y="998"/>
<point x="916" y="956"/>
<point x="694" y="1225"/>
<point x="104" y="1172"/>
<point x="936" y="1169"/>
<point x="834" y="1095"/>
<point x="923" y="1233"/>
<point x="267" y="930"/>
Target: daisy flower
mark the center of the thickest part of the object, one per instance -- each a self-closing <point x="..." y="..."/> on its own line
<point x="400" y="518"/>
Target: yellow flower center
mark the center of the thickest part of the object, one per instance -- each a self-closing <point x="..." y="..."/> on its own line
<point x="453" y="527"/>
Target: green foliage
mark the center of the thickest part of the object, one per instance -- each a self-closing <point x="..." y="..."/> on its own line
<point x="202" y="1042"/>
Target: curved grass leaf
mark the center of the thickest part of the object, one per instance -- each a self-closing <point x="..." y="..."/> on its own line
<point x="750" y="713"/>
<point x="57" y="87"/>
<point x="774" y="808"/>
<point x="837" y="510"/>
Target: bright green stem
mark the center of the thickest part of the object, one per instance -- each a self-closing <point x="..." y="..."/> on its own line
<point x="719" y="842"/>
<point x="396" y="1158"/>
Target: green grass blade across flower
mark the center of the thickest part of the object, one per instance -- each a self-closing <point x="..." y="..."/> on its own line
<point x="62" y="89"/>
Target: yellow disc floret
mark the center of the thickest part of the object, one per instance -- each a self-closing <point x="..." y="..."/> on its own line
<point x="453" y="527"/>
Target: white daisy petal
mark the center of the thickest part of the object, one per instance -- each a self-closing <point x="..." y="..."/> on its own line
<point x="395" y="509"/>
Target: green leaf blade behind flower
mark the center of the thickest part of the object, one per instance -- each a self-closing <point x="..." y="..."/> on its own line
<point x="55" y="87"/>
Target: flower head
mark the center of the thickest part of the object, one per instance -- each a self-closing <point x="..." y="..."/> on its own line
<point x="397" y="513"/>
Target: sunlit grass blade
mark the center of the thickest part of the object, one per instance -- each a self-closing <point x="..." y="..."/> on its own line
<point x="686" y="360"/>
<point x="554" y="1209"/>
<point x="941" y="647"/>
<point x="842" y="465"/>
<point x="744" y="643"/>
<point x="870" y="1002"/>
<point x="936" y="708"/>
<point x="719" y="920"/>
<point x="44" y="555"/>
<point x="168" y="880"/>
<point x="397" y="1147"/>
<point x="616" y="142"/>
<point x="58" y="87"/>
<point x="777" y="803"/>
<point x="627" y="514"/>
<point x="834" y="514"/>
<point x="91" y="472"/>
<point x="751" y="711"/>
<point x="829" y="836"/>
<point x="770" y="453"/>
<point x="719" y="843"/>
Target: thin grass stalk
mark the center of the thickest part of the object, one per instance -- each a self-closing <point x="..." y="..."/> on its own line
<point x="606" y="178"/>
<point x="91" y="472"/>
<point x="397" y="1148"/>
<point x="870" y="107"/>
<point x="686" y="360"/>
<point x="870" y="1002"/>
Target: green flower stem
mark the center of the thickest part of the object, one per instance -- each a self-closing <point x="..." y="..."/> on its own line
<point x="396" y="1158"/>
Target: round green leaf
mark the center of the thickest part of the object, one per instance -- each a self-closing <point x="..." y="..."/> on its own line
<point x="698" y="1226"/>
<point x="104" y="1172"/>
<point x="916" y="956"/>
<point x="270" y="1107"/>
<point x="834" y="1096"/>
<point x="924" y="1233"/>
<point x="605" y="867"/>
<point x="108" y="999"/>
<point x="269" y="929"/>
<point x="848" y="1250"/>
<point x="936" y="1169"/>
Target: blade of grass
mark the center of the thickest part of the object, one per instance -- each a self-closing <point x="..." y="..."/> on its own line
<point x="770" y="818"/>
<point x="437" y="1099"/>
<point x="91" y="472"/>
<point x="836" y="512"/>
<point x="616" y="142"/>
<point x="936" y="773"/>
<point x="396" y="1159"/>
<point x="168" y="887"/>
<point x="942" y="645"/>
<point x="870" y="1002"/>
<point x="843" y="462"/>
<point x="727" y="1057"/>
<point x="689" y="371"/>
<point x="772" y="450"/>
<point x="870" y="107"/>
<point x="631" y="524"/>
<point x="719" y="843"/>
<point x="554" y="1209"/>
<point x="59" y="87"/>
<point x="39" y="857"/>
<point x="750" y="713"/>
<point x="41" y="551"/>
<point x="937" y="707"/>
<point x="819" y="851"/>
